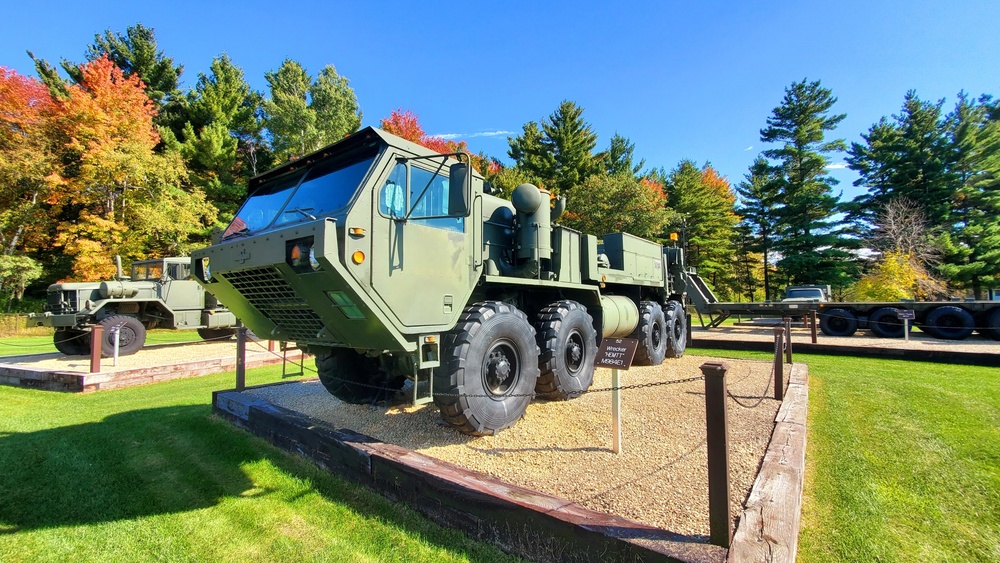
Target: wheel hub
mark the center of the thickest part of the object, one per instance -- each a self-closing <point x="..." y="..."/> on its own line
<point x="500" y="369"/>
<point x="574" y="352"/>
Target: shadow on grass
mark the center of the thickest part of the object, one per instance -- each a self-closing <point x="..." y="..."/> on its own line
<point x="159" y="461"/>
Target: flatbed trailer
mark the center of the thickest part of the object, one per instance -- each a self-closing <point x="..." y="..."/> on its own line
<point x="946" y="320"/>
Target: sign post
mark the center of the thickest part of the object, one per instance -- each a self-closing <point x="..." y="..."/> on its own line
<point x="906" y="315"/>
<point x="617" y="354"/>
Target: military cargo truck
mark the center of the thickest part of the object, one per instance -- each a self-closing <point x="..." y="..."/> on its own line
<point x="159" y="293"/>
<point x="399" y="270"/>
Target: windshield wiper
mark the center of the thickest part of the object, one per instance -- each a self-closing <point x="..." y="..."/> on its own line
<point x="304" y="211"/>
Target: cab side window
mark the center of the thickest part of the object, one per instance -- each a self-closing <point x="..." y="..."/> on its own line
<point x="426" y="198"/>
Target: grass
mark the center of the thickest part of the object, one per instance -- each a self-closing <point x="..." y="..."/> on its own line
<point x="16" y="346"/>
<point x="149" y="473"/>
<point x="902" y="461"/>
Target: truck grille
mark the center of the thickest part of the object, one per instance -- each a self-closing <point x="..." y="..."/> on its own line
<point x="270" y="294"/>
<point x="60" y="302"/>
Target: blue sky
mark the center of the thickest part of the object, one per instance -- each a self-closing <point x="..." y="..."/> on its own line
<point x="681" y="79"/>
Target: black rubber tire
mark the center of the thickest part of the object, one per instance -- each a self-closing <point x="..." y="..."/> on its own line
<point x="651" y="332"/>
<point x="72" y="342"/>
<point x="131" y="335"/>
<point x="993" y="325"/>
<point x="489" y="369"/>
<point x="350" y="376"/>
<point x="568" y="344"/>
<point x="949" y="323"/>
<point x="885" y="323"/>
<point x="677" y="335"/>
<point x="838" y="322"/>
<point x="217" y="333"/>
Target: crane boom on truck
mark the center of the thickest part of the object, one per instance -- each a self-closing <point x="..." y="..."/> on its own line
<point x="391" y="263"/>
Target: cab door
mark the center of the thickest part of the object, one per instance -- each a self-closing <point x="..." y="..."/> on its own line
<point x="421" y="266"/>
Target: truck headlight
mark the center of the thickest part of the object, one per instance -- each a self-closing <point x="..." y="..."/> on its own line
<point x="301" y="255"/>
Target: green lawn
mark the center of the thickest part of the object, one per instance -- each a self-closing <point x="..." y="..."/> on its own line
<point x="16" y="346"/>
<point x="149" y="473"/>
<point x="902" y="463"/>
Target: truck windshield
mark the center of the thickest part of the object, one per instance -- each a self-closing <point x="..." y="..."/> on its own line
<point x="323" y="189"/>
<point x="803" y="294"/>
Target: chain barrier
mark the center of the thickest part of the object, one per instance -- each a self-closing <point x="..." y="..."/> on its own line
<point x="760" y="399"/>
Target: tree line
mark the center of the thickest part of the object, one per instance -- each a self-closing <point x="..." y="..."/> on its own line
<point x="110" y="156"/>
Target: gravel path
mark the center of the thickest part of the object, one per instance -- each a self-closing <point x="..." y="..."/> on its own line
<point x="564" y="448"/>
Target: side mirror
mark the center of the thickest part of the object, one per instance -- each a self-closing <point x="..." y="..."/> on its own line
<point x="459" y="188"/>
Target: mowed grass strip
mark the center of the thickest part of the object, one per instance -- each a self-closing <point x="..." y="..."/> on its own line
<point x="902" y="462"/>
<point x="149" y="473"/>
<point x="23" y="345"/>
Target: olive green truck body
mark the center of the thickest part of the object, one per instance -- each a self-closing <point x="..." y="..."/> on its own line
<point x="393" y="266"/>
<point x="159" y="294"/>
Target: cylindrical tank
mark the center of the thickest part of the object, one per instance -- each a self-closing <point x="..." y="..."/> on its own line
<point x="621" y="316"/>
<point x="113" y="289"/>
<point x="534" y="222"/>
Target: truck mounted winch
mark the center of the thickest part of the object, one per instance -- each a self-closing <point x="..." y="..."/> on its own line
<point x="401" y="272"/>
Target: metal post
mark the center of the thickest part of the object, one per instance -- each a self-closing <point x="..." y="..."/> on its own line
<point x="779" y="376"/>
<point x="690" y="339"/>
<point x="117" y="330"/>
<point x="616" y="413"/>
<point x="241" y="358"/>
<point x="720" y="521"/>
<point x="906" y="329"/>
<point x="812" y="325"/>
<point x="788" y="340"/>
<point x="96" y="336"/>
<point x="270" y="346"/>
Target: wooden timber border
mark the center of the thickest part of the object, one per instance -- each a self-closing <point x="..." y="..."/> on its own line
<point x="768" y="529"/>
<point x="16" y="371"/>
<point x="536" y="525"/>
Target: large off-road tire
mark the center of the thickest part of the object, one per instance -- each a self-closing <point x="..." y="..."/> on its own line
<point x="676" y="319"/>
<point x="949" y="323"/>
<point x="838" y="322"/>
<point x="72" y="342"/>
<point x="216" y="333"/>
<point x="651" y="333"/>
<point x="350" y="376"/>
<point x="489" y="369"/>
<point x="131" y="335"/>
<point x="993" y="325"/>
<point x="568" y="344"/>
<point x="885" y="323"/>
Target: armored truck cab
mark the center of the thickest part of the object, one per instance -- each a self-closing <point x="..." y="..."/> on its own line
<point x="390" y="262"/>
<point x="159" y="293"/>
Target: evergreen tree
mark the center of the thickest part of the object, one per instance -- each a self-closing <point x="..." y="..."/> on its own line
<point x="972" y="242"/>
<point x="336" y="106"/>
<point x="559" y="150"/>
<point x="703" y="203"/>
<point x="618" y="159"/>
<point x="303" y="115"/>
<point x="222" y="144"/>
<point x="811" y="250"/>
<point x="909" y="157"/>
<point x="759" y="211"/>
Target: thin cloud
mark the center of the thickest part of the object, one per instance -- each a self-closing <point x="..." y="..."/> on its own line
<point x="748" y="148"/>
<point x="836" y="166"/>
<point x="496" y="133"/>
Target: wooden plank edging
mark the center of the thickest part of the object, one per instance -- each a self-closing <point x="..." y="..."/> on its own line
<point x="769" y="525"/>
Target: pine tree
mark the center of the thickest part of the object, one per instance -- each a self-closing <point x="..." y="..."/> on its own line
<point x="703" y="204"/>
<point x="811" y="249"/>
<point x="618" y="159"/>
<point x="909" y="157"/>
<point x="336" y="106"/>
<point x="759" y="211"/>
<point x="559" y="150"/>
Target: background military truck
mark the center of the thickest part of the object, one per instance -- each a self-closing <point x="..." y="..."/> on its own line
<point x="390" y="262"/>
<point x="159" y="293"/>
<point x="794" y="293"/>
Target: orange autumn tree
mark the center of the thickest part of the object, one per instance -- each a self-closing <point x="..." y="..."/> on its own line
<point x="25" y="160"/>
<point x="113" y="194"/>
<point x="406" y="124"/>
